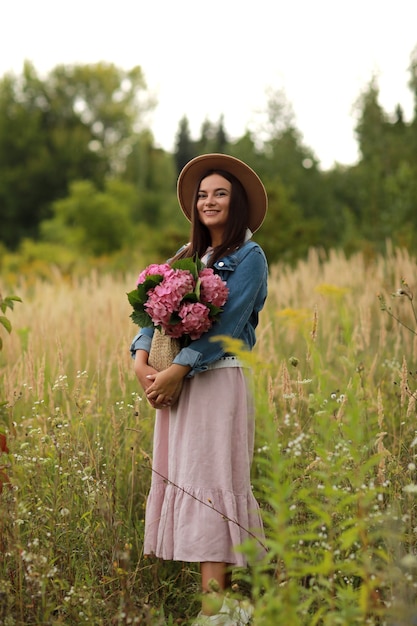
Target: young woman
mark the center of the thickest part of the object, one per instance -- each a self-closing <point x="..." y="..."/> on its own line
<point x="203" y="445"/>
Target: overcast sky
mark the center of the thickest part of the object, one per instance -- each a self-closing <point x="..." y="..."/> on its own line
<point x="204" y="59"/>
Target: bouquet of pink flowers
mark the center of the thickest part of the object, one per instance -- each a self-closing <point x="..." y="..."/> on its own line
<point x="182" y="299"/>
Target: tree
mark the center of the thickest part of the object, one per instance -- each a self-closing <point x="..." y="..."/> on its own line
<point x="222" y="139"/>
<point x="287" y="159"/>
<point x="371" y="123"/>
<point x="77" y="123"/>
<point x="386" y="172"/>
<point x="92" y="221"/>
<point x="413" y="86"/>
<point x="413" y="77"/>
<point x="213" y="137"/>
<point x="285" y="236"/>
<point x="185" y="148"/>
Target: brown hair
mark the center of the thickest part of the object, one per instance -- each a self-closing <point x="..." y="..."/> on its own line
<point x="236" y="226"/>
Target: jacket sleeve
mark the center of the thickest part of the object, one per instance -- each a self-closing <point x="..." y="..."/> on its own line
<point x="142" y="341"/>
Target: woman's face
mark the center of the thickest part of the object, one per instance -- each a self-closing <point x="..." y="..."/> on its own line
<point x="213" y="201"/>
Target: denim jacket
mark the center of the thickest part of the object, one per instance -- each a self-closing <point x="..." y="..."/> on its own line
<point x="245" y="271"/>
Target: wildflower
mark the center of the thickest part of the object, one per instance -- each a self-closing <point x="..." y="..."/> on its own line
<point x="382" y="302"/>
<point x="404" y="290"/>
<point x="409" y="561"/>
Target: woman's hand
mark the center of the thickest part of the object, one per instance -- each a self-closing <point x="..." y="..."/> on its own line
<point x="163" y="390"/>
<point x="143" y="370"/>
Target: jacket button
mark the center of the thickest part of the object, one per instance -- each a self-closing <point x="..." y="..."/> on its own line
<point x="221" y="264"/>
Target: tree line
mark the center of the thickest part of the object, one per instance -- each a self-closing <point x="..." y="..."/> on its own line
<point x="80" y="172"/>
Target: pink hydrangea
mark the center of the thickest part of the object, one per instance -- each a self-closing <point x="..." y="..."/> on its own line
<point x="213" y="289"/>
<point x="166" y="297"/>
<point x="174" y="330"/>
<point x="160" y="311"/>
<point x="195" y="319"/>
<point x="163" y="269"/>
<point x="164" y="302"/>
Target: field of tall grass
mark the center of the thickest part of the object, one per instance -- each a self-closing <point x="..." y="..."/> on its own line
<point x="335" y="371"/>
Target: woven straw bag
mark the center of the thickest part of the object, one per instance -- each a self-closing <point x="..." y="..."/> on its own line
<point x="163" y="351"/>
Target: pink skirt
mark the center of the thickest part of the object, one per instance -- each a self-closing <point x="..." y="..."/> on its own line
<point x="201" y="506"/>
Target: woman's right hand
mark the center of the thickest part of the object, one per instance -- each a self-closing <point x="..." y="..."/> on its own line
<point x="162" y="388"/>
<point x="142" y="370"/>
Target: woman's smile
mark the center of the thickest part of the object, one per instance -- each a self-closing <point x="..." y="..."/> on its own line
<point x="213" y="203"/>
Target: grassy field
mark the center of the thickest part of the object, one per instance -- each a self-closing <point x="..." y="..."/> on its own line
<point x="335" y="465"/>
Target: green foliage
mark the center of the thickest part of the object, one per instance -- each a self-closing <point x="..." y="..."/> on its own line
<point x="185" y="148"/>
<point x="137" y="299"/>
<point x="386" y="202"/>
<point x="73" y="533"/>
<point x="326" y="522"/>
<point x="192" y="265"/>
<point x="334" y="467"/>
<point x="92" y="221"/>
<point x="213" y="137"/>
<point x="77" y="123"/>
<point x="403" y="292"/>
<point x="149" y="168"/>
<point x="87" y="123"/>
<point x="6" y="303"/>
<point x="333" y="494"/>
<point x="285" y="234"/>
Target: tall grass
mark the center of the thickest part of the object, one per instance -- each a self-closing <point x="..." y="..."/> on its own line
<point x="334" y="470"/>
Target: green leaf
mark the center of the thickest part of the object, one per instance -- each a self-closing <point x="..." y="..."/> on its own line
<point x="133" y="298"/>
<point x="174" y="319"/>
<point x="6" y="323"/>
<point x="141" y="318"/>
<point x="214" y="310"/>
<point x="192" y="265"/>
<point x="349" y="537"/>
<point x="141" y="293"/>
<point x="150" y="282"/>
<point x="190" y="297"/>
<point x="8" y="302"/>
<point x="137" y="297"/>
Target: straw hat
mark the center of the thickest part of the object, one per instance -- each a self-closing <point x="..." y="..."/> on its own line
<point x="192" y="172"/>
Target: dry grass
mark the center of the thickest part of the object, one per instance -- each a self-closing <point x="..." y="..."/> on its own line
<point x="334" y="468"/>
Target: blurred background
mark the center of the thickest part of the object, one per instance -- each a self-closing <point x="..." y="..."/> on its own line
<point x="101" y="104"/>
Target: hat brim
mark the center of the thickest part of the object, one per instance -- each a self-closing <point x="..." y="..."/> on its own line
<point x="193" y="171"/>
